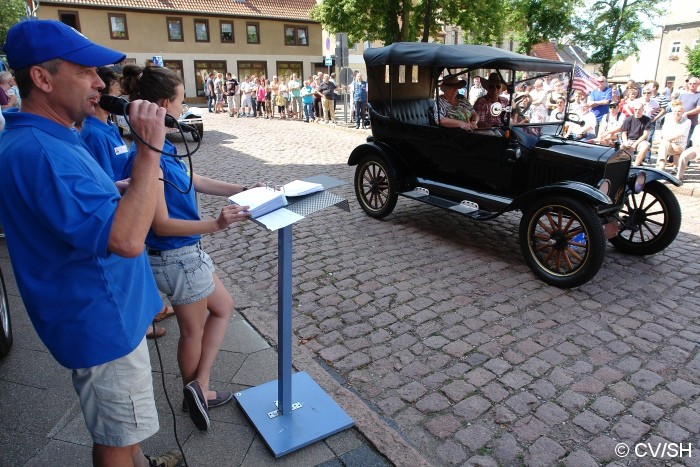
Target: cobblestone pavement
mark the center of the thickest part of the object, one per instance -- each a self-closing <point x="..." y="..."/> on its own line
<point x="438" y="325"/>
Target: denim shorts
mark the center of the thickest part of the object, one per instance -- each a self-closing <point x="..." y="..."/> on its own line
<point x="185" y="275"/>
<point x="117" y="399"/>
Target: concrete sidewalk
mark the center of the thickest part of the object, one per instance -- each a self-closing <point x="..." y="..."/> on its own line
<point x="42" y="424"/>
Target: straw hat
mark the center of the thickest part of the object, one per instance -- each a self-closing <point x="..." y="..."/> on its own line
<point x="493" y="78"/>
<point x="453" y="82"/>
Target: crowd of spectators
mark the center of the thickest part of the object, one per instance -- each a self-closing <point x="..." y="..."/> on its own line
<point x="287" y="98"/>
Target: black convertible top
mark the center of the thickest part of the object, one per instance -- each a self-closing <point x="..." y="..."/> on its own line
<point x="455" y="56"/>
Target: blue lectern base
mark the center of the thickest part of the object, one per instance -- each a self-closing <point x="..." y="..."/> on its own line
<point x="313" y="416"/>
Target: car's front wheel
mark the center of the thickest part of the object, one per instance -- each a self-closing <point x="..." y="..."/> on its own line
<point x="375" y="186"/>
<point x="562" y="241"/>
<point x="5" y="323"/>
<point x="649" y="221"/>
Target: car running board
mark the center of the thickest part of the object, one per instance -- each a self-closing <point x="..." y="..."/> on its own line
<point x="467" y="208"/>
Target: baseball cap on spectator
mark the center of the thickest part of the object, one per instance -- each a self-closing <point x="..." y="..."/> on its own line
<point x="32" y="42"/>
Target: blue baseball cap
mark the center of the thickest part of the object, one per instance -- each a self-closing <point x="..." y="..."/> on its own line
<point x="35" y="41"/>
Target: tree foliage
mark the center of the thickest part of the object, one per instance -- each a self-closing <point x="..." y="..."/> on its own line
<point x="12" y="11"/>
<point x="693" y="65"/>
<point x="535" y="21"/>
<point x="483" y="22"/>
<point x="614" y="29"/>
<point x="391" y="21"/>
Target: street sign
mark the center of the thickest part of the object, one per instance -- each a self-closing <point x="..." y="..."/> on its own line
<point x="346" y="76"/>
<point x="328" y="61"/>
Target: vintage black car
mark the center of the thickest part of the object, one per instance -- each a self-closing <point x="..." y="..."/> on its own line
<point x="573" y="195"/>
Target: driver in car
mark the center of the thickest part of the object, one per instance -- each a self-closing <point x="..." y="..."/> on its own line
<point x="490" y="115"/>
<point x="453" y="110"/>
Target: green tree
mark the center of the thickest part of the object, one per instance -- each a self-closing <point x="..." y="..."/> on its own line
<point x="12" y="11"/>
<point x="392" y="21"/>
<point x="693" y="65"/>
<point x="367" y="19"/>
<point x="535" y="21"/>
<point x="480" y="21"/>
<point x="614" y="29"/>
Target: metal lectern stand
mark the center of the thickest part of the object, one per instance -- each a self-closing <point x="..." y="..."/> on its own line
<point x="293" y="411"/>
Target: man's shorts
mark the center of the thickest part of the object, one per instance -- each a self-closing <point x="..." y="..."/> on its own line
<point x="117" y="399"/>
<point x="185" y="275"/>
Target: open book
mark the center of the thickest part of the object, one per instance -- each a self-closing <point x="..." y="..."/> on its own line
<point x="261" y="200"/>
<point x="300" y="187"/>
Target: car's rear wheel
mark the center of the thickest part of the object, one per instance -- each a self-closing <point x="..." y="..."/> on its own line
<point x="5" y="323"/>
<point x="562" y="241"/>
<point x="649" y="221"/>
<point x="375" y="186"/>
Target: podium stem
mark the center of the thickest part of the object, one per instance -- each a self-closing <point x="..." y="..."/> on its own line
<point x="284" y="323"/>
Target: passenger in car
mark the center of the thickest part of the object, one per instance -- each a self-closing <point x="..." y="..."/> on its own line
<point x="453" y="110"/>
<point x="523" y="108"/>
<point x="484" y="106"/>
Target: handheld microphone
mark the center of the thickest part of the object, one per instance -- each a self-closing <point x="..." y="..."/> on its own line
<point x="118" y="106"/>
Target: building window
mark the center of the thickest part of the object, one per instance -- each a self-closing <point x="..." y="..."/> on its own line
<point x="70" y="18"/>
<point x="174" y="29"/>
<point x="202" y="70"/>
<point x="117" y="26"/>
<point x="286" y="69"/>
<point x="295" y="35"/>
<point x="201" y="30"/>
<point x="676" y="48"/>
<point x="226" y="31"/>
<point x="250" y="69"/>
<point x="252" y="32"/>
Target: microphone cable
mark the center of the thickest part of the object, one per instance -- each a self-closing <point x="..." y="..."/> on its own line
<point x="167" y="397"/>
<point x="188" y="154"/>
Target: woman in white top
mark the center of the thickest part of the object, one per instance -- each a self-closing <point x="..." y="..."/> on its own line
<point x="674" y="135"/>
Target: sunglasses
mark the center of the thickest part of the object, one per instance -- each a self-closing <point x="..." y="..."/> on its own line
<point x="646" y="92"/>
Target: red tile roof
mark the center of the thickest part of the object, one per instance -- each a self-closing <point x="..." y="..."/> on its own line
<point x="283" y="9"/>
<point x="545" y="50"/>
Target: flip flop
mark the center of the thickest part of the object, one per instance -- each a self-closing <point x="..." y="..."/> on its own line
<point x="164" y="313"/>
<point x="159" y="332"/>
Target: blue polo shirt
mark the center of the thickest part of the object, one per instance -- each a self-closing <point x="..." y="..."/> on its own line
<point x="106" y="145"/>
<point x="180" y="206"/>
<point x="88" y="306"/>
<point x="598" y="95"/>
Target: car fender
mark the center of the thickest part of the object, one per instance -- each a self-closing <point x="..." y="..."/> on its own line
<point x="654" y="174"/>
<point x="577" y="189"/>
<point x="372" y="147"/>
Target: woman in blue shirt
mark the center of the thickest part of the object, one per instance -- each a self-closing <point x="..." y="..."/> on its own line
<point x="183" y="271"/>
<point x="109" y="150"/>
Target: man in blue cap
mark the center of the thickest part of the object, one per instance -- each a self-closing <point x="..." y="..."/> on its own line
<point x="75" y="243"/>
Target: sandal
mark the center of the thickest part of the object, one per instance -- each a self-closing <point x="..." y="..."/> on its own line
<point x="164" y="313"/>
<point x="154" y="332"/>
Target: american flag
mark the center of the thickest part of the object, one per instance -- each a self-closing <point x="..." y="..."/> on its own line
<point x="584" y="81"/>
